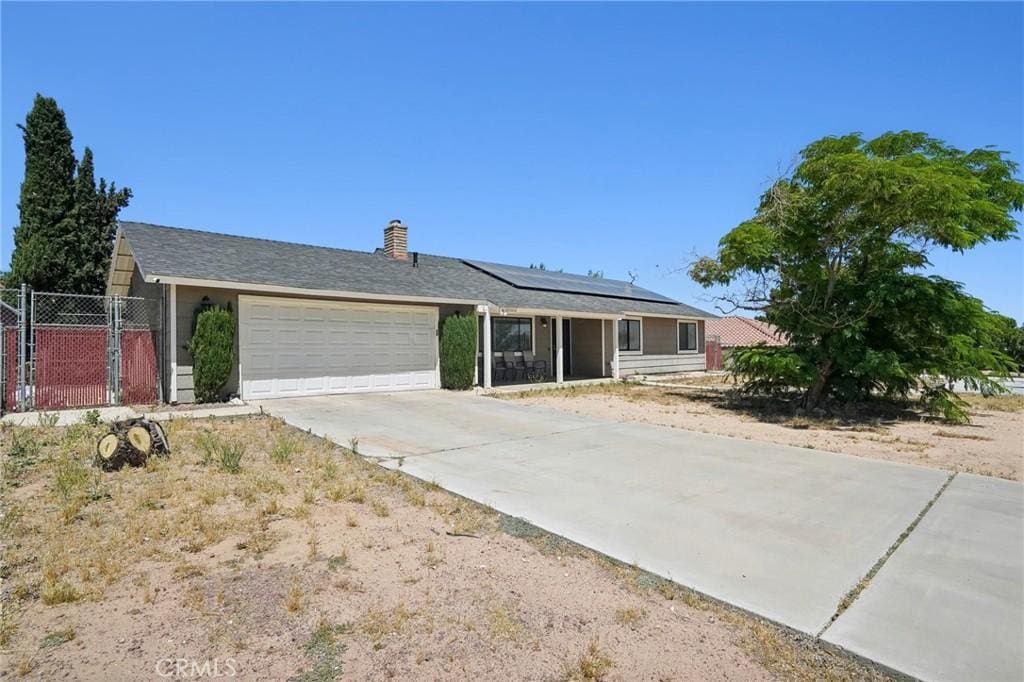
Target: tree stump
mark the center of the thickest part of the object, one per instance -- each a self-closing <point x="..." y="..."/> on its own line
<point x="131" y="442"/>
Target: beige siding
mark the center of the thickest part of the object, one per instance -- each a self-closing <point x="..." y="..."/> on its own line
<point x="660" y="352"/>
<point x="659" y="335"/>
<point x="660" y="364"/>
<point x="542" y="342"/>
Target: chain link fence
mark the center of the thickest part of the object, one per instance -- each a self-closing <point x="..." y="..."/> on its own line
<point x="13" y="345"/>
<point x="74" y="350"/>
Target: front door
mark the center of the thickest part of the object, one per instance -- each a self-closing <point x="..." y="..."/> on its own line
<point x="566" y="348"/>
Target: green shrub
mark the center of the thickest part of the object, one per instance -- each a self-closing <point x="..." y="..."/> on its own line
<point x="213" y="352"/>
<point x="458" y="351"/>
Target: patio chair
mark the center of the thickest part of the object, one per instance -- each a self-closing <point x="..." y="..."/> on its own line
<point x="500" y="368"/>
<point x="515" y="365"/>
<point x="534" y="367"/>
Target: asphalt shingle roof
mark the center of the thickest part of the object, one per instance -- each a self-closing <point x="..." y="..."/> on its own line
<point x="177" y="252"/>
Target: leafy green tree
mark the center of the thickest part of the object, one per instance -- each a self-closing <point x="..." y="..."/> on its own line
<point x="63" y="240"/>
<point x="213" y="352"/>
<point x="834" y="256"/>
<point x="1010" y="339"/>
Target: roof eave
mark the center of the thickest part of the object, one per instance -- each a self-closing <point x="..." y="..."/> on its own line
<point x="158" y="278"/>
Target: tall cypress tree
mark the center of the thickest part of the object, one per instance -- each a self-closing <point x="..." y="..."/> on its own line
<point x="47" y="199"/>
<point x="63" y="241"/>
<point x="95" y="213"/>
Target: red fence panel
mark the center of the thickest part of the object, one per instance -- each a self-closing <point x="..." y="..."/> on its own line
<point x="70" y="367"/>
<point x="713" y="355"/>
<point x="10" y="351"/>
<point x="138" y="367"/>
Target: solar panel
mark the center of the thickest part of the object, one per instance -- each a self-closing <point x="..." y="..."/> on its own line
<point x="547" y="280"/>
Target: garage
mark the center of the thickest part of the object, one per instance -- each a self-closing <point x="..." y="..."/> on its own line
<point x="295" y="347"/>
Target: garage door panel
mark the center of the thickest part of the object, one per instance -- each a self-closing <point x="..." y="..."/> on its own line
<point x="293" y="347"/>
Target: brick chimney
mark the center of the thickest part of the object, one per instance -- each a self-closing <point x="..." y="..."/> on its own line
<point x="396" y="240"/>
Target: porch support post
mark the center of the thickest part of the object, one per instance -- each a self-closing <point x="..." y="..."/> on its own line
<point x="559" y="370"/>
<point x="615" y="349"/>
<point x="488" y="359"/>
<point x="172" y="339"/>
<point x="603" y="366"/>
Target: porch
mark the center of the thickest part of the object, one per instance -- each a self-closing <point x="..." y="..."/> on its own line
<point x="527" y="347"/>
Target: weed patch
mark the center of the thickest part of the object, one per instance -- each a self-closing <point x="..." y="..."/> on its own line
<point x="324" y="651"/>
<point x="378" y="624"/>
<point x="55" y="639"/>
<point x="593" y="664"/>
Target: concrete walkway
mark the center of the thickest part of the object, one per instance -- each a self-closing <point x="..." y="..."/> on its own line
<point x="121" y="412"/>
<point x="783" y="532"/>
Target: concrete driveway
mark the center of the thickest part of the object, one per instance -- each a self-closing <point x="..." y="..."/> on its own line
<point x="783" y="532"/>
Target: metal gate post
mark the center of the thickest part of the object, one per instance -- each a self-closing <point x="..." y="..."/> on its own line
<point x="22" y="348"/>
<point x="114" y="356"/>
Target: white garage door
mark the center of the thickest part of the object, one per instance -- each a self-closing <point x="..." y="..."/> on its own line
<point x="292" y="347"/>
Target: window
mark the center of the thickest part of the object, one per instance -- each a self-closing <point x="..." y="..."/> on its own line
<point x="687" y="336"/>
<point x="512" y="333"/>
<point x="629" y="335"/>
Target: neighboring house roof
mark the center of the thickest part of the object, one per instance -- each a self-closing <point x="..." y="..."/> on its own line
<point x="172" y="252"/>
<point x="734" y="331"/>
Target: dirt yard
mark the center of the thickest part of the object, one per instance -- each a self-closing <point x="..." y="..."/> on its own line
<point x="992" y="444"/>
<point x="258" y="552"/>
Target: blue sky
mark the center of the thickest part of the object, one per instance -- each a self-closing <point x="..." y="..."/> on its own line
<point x="609" y="136"/>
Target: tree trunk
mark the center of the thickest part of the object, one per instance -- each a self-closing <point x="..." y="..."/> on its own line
<point x="817" y="390"/>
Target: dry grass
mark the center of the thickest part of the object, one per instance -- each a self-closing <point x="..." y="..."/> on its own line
<point x="80" y="531"/>
<point x="592" y="664"/>
<point x="379" y="624"/>
<point x="185" y="533"/>
<point x="718" y="391"/>
<point x="629" y="616"/>
<point x="294" y="600"/>
<point x="432" y="557"/>
<point x="502" y="622"/>
<point x="380" y="508"/>
<point x="878" y="429"/>
<point x="996" y="403"/>
<point x="942" y="433"/>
